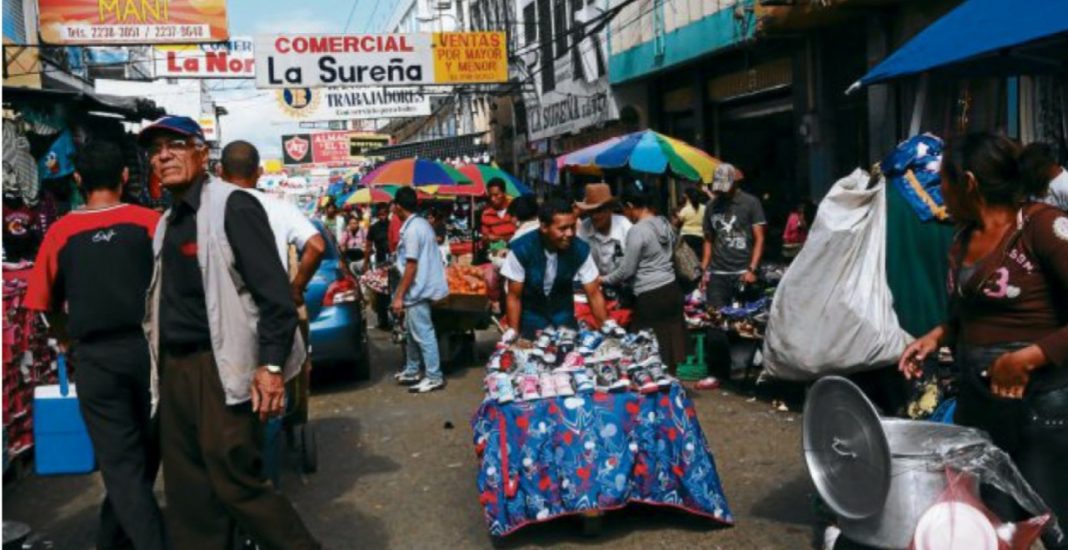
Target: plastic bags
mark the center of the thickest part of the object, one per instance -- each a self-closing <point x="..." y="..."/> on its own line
<point x="959" y="520"/>
<point x="833" y="312"/>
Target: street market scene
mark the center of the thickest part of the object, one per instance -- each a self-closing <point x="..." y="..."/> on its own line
<point x="738" y="274"/>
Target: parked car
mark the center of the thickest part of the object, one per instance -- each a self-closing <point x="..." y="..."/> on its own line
<point x="336" y="310"/>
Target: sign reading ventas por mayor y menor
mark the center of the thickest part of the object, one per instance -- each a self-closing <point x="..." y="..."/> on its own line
<point x="231" y="59"/>
<point x="132" y="21"/>
<point x="322" y="60"/>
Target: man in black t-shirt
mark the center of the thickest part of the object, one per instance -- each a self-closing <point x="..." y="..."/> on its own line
<point x="98" y="260"/>
<point x="378" y="238"/>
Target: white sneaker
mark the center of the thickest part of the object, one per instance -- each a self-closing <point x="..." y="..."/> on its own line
<point x="427" y="385"/>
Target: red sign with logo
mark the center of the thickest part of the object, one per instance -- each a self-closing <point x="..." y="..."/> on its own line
<point x="296" y="148"/>
<point x="330" y="146"/>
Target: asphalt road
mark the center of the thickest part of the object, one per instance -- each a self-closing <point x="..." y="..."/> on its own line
<point x="398" y="471"/>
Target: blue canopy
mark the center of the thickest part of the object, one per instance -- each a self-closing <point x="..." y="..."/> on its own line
<point x="984" y="38"/>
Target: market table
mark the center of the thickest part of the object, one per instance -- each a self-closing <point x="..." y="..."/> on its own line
<point x="599" y="451"/>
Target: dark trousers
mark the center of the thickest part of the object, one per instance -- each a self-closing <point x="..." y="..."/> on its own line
<point x="382" y="310"/>
<point x="112" y="380"/>
<point x="213" y="464"/>
<point x="723" y="354"/>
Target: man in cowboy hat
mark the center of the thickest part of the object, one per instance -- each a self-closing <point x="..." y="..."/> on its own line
<point x="603" y="229"/>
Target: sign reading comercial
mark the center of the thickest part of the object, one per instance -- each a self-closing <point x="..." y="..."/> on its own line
<point x="352" y="103"/>
<point x="320" y="147"/>
<point x="132" y="21"/>
<point x="232" y="59"/>
<point x="331" y="60"/>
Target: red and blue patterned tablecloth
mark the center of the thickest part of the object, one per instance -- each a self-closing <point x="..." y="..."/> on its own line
<point x="601" y="451"/>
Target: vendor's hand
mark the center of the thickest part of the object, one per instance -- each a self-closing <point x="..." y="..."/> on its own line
<point x="1011" y="371"/>
<point x="268" y="394"/>
<point x="911" y="364"/>
<point x="397" y="307"/>
<point x="749" y="277"/>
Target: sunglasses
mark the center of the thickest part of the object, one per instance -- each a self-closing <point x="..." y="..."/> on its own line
<point x="176" y="145"/>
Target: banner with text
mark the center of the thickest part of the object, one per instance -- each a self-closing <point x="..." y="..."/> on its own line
<point x="232" y="59"/>
<point x="319" y="147"/>
<point x="351" y="103"/>
<point x="314" y="61"/>
<point x="132" y="21"/>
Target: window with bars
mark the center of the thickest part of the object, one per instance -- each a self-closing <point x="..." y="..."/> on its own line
<point x="560" y="27"/>
<point x="530" y="25"/>
<point x="576" y="41"/>
<point x="545" y="36"/>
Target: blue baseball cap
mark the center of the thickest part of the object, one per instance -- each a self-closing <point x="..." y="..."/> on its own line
<point x="181" y="125"/>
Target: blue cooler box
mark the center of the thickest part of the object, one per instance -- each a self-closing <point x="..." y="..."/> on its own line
<point x="59" y="433"/>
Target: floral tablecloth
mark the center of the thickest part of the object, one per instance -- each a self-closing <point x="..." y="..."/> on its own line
<point x="601" y="451"/>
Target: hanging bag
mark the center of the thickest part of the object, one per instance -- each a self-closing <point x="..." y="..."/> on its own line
<point x="687" y="264"/>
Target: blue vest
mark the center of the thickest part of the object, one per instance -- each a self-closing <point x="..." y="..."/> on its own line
<point x="558" y="308"/>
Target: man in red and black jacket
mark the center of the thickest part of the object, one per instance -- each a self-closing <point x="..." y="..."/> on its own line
<point x="98" y="261"/>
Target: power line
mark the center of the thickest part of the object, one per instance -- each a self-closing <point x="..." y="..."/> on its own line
<point x="371" y="19"/>
<point x="352" y="11"/>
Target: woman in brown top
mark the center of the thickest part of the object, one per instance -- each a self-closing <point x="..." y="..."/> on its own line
<point x="1009" y="316"/>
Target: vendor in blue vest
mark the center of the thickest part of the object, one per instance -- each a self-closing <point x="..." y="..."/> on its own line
<point x="541" y="268"/>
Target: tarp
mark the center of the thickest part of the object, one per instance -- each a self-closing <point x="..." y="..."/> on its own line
<point x="983" y="38"/>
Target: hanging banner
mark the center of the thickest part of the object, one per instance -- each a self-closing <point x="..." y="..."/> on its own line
<point x="352" y="103"/>
<point x="132" y="21"/>
<point x="296" y="148"/>
<point x="232" y="59"/>
<point x="314" y="61"/>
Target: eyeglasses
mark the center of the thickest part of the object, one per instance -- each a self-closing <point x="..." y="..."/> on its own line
<point x="176" y="145"/>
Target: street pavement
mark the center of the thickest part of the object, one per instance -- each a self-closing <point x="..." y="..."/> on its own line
<point x="398" y="471"/>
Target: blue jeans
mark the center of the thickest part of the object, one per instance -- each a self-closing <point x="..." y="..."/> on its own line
<point x="422" y="343"/>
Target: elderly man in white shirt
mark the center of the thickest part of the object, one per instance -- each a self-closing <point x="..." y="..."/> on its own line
<point x="605" y="231"/>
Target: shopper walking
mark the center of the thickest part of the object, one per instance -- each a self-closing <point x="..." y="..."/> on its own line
<point x="422" y="282"/>
<point x="222" y="325"/>
<point x="98" y="261"/>
<point x="291" y="228"/>
<point x="376" y="253"/>
<point x="1009" y="283"/>
<point x="648" y="265"/>
<point x="354" y="237"/>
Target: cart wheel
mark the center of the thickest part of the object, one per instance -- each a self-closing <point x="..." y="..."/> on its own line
<point x="309" y="452"/>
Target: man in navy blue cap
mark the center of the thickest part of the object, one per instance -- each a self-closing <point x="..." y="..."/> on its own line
<point x="222" y="328"/>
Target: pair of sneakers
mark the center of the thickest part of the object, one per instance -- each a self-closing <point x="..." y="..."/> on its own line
<point x="557" y="383"/>
<point x="499" y="387"/>
<point x="610" y="379"/>
<point x="418" y="384"/>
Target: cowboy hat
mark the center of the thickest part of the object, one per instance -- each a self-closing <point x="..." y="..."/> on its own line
<point x="597" y="195"/>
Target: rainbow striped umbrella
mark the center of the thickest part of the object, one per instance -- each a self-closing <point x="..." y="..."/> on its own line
<point x="414" y="172"/>
<point x="479" y="175"/>
<point x="646" y="151"/>
<point x="385" y="193"/>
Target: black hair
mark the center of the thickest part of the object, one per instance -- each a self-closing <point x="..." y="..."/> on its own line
<point x="994" y="161"/>
<point x="100" y="164"/>
<point x="381" y="209"/>
<point x="495" y="182"/>
<point x="240" y="159"/>
<point x="406" y="199"/>
<point x="552" y="208"/>
<point x="1036" y="160"/>
<point x="639" y="195"/>
<point x="523" y="208"/>
<point x="694" y="196"/>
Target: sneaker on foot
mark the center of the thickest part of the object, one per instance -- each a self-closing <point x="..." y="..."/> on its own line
<point x="427" y="385"/>
<point x="407" y="379"/>
<point x="707" y="383"/>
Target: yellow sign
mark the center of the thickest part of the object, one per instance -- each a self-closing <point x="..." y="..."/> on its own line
<point x="461" y="57"/>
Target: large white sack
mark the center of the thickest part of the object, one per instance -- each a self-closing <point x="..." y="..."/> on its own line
<point x="832" y="312"/>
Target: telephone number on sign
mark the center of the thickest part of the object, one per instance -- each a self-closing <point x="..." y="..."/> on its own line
<point x="134" y="33"/>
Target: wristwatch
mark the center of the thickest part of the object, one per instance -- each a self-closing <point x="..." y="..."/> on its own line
<point x="273" y="369"/>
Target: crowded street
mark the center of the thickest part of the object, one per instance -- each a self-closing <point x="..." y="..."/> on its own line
<point x="376" y="274"/>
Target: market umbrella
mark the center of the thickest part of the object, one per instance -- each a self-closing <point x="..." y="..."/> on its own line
<point x="414" y="172"/>
<point x="479" y="175"/>
<point x="385" y="193"/>
<point x="645" y="151"/>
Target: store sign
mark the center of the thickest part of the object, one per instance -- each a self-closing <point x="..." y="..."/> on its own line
<point x="208" y="126"/>
<point x="579" y="96"/>
<point x="352" y="103"/>
<point x="330" y="147"/>
<point x="232" y="59"/>
<point x="132" y="21"/>
<point x="314" y="61"/>
<point x="319" y="147"/>
<point x="296" y="148"/>
<point x="360" y="144"/>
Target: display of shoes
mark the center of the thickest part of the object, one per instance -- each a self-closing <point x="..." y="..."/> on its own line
<point x="547" y="384"/>
<point x="643" y="380"/>
<point x="584" y="381"/>
<point x="528" y="387"/>
<point x="562" y="383"/>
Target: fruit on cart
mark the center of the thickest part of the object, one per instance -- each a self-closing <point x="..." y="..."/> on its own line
<point x="465" y="279"/>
